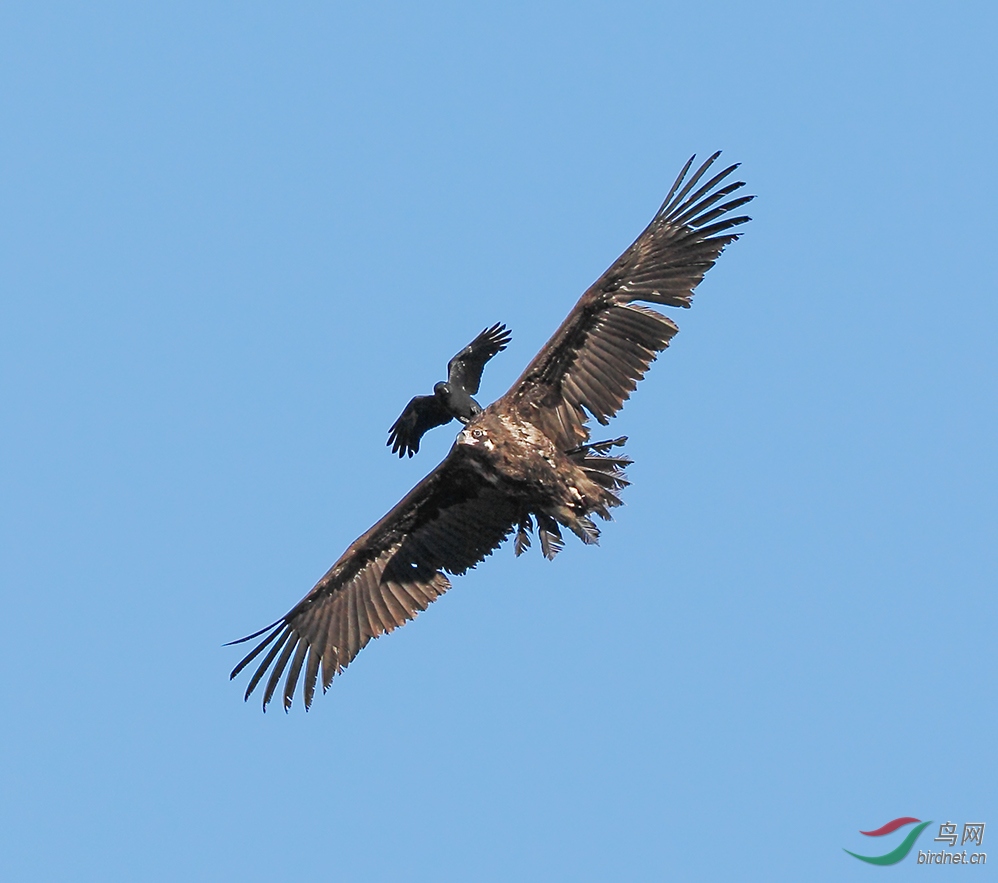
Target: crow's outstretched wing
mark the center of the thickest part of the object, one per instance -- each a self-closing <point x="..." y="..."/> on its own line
<point x="449" y="522"/>
<point x="465" y="369"/>
<point x="420" y="415"/>
<point x="605" y="345"/>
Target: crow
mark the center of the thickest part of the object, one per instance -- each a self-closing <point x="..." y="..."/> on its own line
<point x="451" y="398"/>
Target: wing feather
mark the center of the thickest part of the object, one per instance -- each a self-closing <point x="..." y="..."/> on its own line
<point x="389" y="618"/>
<point x="399" y="614"/>
<point x="353" y="641"/>
<point x="291" y="681"/>
<point x="279" y="666"/>
<point x="605" y="346"/>
<point x="283" y="632"/>
<point x="670" y="206"/>
<point x="374" y="617"/>
<point x="311" y="675"/>
<point x="404" y="599"/>
<point x="276" y="626"/>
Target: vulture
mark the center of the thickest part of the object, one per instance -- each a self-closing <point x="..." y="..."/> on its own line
<point x="451" y="398"/>
<point x="524" y="465"/>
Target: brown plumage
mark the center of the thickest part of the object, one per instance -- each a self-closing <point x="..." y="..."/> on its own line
<point x="524" y="463"/>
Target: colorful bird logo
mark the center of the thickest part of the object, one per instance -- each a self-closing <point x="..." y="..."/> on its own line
<point x="895" y="855"/>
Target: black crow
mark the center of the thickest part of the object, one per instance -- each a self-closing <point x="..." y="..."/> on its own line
<point x="451" y="398"/>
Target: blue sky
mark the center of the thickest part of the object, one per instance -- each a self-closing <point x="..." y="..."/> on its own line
<point x="237" y="238"/>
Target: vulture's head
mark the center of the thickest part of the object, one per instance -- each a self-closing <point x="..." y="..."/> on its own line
<point x="475" y="436"/>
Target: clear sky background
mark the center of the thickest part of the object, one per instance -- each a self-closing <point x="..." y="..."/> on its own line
<point x="236" y="238"/>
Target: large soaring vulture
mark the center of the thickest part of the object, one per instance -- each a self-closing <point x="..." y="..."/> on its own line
<point x="524" y="461"/>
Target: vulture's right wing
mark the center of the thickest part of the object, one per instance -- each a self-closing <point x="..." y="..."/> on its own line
<point x="449" y="522"/>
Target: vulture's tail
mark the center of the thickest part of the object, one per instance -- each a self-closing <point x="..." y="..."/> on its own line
<point x="603" y="468"/>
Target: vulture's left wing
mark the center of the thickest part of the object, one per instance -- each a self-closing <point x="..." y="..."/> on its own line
<point x="605" y="345"/>
<point x="449" y="522"/>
